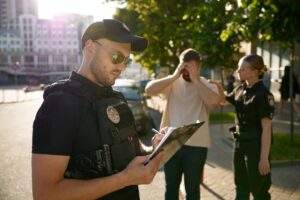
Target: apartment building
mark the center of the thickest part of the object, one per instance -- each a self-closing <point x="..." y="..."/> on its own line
<point x="32" y="46"/>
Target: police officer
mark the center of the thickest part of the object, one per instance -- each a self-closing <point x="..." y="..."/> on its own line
<point x="85" y="145"/>
<point x="254" y="106"/>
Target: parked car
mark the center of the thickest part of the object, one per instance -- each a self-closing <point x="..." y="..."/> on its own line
<point x="143" y="84"/>
<point x="136" y="101"/>
<point x="33" y="85"/>
<point x="31" y="88"/>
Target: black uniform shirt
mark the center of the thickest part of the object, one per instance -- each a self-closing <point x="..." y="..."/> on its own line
<point x="252" y="104"/>
<point x="66" y="124"/>
<point x="55" y="129"/>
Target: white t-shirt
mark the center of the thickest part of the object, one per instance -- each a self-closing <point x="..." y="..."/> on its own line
<point x="185" y="106"/>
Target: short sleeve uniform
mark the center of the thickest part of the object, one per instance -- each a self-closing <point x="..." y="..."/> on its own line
<point x="252" y="104"/>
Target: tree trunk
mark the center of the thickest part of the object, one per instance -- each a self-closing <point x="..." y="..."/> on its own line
<point x="254" y="42"/>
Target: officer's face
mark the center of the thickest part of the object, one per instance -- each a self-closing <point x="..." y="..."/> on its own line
<point x="246" y="72"/>
<point x="108" y="61"/>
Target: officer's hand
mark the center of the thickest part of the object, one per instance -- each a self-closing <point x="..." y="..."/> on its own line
<point x="137" y="173"/>
<point x="264" y="166"/>
<point x="158" y="137"/>
<point x="220" y="90"/>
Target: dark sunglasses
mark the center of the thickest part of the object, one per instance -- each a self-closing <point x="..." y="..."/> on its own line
<point x="118" y="57"/>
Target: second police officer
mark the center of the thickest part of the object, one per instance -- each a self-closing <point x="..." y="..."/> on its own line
<point x="254" y="106"/>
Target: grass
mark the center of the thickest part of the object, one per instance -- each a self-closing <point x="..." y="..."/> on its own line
<point x="282" y="147"/>
<point x="222" y="117"/>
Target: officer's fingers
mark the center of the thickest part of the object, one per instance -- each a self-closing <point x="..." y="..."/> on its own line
<point x="264" y="170"/>
<point x="151" y="169"/>
<point x="156" y="139"/>
<point x="164" y="130"/>
<point x="154" y="163"/>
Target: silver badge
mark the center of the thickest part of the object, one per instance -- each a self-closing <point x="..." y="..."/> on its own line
<point x="113" y="114"/>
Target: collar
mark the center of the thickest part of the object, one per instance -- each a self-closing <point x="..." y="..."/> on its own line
<point x="90" y="87"/>
<point x="255" y="86"/>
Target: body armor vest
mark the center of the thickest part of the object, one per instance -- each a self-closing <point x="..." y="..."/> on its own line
<point x="118" y="144"/>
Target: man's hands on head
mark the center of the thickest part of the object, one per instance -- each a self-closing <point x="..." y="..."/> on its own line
<point x="190" y="68"/>
<point x="178" y="70"/>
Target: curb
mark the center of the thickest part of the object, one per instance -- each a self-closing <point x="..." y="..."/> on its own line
<point x="283" y="163"/>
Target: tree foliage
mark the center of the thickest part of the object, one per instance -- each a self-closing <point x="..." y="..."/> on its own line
<point x="172" y="26"/>
<point x="261" y="21"/>
<point x="214" y="28"/>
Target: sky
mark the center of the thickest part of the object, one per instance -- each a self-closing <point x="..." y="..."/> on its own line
<point x="96" y="8"/>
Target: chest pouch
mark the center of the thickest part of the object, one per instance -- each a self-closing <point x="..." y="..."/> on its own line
<point x="118" y="133"/>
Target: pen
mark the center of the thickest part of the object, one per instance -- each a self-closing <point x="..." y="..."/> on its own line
<point x="155" y="131"/>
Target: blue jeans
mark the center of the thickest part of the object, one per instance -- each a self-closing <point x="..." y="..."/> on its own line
<point x="188" y="161"/>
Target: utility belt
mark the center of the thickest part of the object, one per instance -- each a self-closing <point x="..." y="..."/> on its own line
<point x="245" y="133"/>
<point x="118" y="138"/>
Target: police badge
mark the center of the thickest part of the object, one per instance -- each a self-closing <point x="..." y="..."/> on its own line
<point x="113" y="114"/>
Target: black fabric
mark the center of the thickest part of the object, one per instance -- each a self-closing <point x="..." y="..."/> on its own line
<point x="251" y="105"/>
<point x="67" y="123"/>
<point x="285" y="87"/>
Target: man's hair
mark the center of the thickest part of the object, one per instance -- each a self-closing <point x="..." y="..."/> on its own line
<point x="190" y="54"/>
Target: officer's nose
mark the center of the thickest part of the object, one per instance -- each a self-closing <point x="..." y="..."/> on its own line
<point x="121" y="66"/>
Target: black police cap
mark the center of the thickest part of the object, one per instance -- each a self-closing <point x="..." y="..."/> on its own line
<point x="116" y="31"/>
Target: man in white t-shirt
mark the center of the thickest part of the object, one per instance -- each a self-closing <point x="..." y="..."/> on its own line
<point x="189" y="98"/>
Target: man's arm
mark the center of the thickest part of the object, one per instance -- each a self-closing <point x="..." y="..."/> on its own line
<point x="210" y="98"/>
<point x="155" y="87"/>
<point x="48" y="180"/>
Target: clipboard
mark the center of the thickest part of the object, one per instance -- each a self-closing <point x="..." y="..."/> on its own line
<point x="173" y="140"/>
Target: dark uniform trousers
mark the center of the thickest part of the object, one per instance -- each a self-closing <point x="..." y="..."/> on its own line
<point x="246" y="173"/>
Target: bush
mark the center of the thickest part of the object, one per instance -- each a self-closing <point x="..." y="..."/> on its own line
<point x="282" y="148"/>
<point x="222" y="117"/>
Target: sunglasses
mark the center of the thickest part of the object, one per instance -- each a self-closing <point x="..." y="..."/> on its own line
<point x="118" y="57"/>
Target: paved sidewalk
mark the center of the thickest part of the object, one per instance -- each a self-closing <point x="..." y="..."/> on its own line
<point x="218" y="177"/>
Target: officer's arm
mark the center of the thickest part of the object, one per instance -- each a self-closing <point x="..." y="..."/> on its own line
<point x="49" y="183"/>
<point x="264" y="166"/>
<point x="221" y="92"/>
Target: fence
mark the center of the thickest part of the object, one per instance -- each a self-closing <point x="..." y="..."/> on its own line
<point x="14" y="95"/>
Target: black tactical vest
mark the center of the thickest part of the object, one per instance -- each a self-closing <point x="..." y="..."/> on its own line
<point x="115" y="129"/>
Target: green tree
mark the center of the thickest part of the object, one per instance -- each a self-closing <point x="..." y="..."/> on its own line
<point x="262" y="21"/>
<point x="172" y="26"/>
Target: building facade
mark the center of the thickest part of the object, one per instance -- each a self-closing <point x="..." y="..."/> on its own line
<point x="31" y="46"/>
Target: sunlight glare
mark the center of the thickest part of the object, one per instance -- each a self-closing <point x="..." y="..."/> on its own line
<point x="97" y="8"/>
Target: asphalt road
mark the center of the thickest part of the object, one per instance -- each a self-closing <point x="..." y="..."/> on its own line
<point x="15" y="149"/>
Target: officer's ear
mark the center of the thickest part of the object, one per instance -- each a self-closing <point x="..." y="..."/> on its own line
<point x="89" y="47"/>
